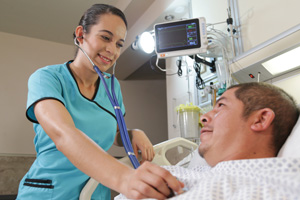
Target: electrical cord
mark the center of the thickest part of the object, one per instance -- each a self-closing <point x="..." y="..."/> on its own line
<point x="178" y="63"/>
<point x="160" y="71"/>
<point x="200" y="84"/>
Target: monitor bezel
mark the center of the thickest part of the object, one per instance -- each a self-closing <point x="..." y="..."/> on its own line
<point x="191" y="51"/>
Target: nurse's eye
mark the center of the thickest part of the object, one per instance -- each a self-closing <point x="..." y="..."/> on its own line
<point x="105" y="38"/>
<point x="120" y="45"/>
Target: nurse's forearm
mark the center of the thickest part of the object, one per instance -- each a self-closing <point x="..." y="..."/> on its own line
<point x="148" y="181"/>
<point x="84" y="153"/>
<point x="92" y="160"/>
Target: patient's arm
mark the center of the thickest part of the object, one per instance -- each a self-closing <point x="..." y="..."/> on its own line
<point x="140" y="141"/>
<point x="118" y="140"/>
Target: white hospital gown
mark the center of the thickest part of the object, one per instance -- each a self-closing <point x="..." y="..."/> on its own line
<point x="255" y="179"/>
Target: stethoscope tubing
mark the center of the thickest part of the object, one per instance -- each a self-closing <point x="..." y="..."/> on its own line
<point x="119" y="115"/>
<point x="120" y="119"/>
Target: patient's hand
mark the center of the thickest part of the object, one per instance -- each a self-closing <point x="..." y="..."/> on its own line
<point x="141" y="142"/>
<point x="151" y="181"/>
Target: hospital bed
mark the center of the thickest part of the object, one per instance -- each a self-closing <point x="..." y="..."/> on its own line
<point x="182" y="152"/>
<point x="177" y="151"/>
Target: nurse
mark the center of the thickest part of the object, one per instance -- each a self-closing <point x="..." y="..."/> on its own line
<point x="75" y="123"/>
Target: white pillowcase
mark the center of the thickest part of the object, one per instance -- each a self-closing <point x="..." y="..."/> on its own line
<point x="196" y="160"/>
<point x="291" y="147"/>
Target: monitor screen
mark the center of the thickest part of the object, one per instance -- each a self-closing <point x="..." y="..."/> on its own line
<point x="180" y="37"/>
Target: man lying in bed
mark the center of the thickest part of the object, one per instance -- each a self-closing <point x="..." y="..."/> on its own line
<point x="246" y="128"/>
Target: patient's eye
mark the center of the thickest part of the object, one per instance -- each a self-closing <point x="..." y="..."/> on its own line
<point x="220" y="104"/>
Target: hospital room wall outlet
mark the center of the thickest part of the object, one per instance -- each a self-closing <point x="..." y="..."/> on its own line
<point x="203" y="96"/>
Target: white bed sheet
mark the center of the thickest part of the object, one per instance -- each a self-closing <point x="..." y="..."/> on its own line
<point x="268" y="178"/>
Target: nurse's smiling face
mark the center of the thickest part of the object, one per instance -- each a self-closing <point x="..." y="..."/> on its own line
<point x="104" y="40"/>
<point x="225" y="130"/>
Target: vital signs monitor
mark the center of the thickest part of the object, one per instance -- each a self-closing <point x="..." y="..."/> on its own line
<point x="184" y="37"/>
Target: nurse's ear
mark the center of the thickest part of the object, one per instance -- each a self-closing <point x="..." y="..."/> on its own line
<point x="262" y="119"/>
<point x="79" y="34"/>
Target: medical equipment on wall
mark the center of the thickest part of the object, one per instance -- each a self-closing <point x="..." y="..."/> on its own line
<point x="199" y="41"/>
<point x="212" y="90"/>
<point x="176" y="151"/>
<point x="223" y="75"/>
<point x="217" y="59"/>
<point x="119" y="115"/>
<point x="219" y="48"/>
<point x="184" y="37"/>
<point x="188" y="119"/>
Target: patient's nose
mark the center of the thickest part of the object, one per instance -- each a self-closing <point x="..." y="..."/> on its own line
<point x="204" y="118"/>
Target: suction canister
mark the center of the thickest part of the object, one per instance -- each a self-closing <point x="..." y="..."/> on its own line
<point x="188" y="119"/>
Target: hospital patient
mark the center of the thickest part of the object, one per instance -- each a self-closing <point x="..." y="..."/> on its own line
<point x="240" y="140"/>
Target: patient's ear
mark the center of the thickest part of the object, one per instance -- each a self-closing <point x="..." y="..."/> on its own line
<point x="262" y="119"/>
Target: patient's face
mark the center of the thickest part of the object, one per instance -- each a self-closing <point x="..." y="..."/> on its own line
<point x="224" y="134"/>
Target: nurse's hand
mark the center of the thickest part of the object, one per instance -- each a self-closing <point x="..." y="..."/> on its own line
<point x="150" y="181"/>
<point x="141" y="142"/>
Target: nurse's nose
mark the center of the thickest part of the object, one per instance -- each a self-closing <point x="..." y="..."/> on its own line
<point x="111" y="48"/>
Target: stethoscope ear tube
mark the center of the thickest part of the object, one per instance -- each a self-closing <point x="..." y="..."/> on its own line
<point x="119" y="115"/>
<point x="120" y="119"/>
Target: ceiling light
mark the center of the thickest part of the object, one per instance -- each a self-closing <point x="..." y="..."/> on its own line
<point x="144" y="42"/>
<point x="169" y="17"/>
<point x="283" y="62"/>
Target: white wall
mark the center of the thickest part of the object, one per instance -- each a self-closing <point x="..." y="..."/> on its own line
<point x="263" y="19"/>
<point x="146" y="109"/>
<point x="20" y="56"/>
<point x="289" y="83"/>
<point x="214" y="11"/>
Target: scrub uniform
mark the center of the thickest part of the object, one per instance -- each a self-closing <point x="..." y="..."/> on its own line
<point x="52" y="175"/>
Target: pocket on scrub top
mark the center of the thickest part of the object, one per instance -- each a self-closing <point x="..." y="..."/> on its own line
<point x="39" y="183"/>
<point x="37" y="189"/>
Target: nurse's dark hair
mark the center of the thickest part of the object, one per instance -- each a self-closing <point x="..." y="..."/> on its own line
<point x="256" y="96"/>
<point x="93" y="15"/>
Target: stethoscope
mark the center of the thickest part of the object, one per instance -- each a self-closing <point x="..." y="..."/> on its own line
<point x="119" y="115"/>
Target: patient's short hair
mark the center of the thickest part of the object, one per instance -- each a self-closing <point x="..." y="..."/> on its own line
<point x="256" y="96"/>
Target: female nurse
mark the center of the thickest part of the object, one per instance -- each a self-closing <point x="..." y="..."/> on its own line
<point x="75" y="123"/>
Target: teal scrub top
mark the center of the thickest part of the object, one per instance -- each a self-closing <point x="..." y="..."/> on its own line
<point x="52" y="175"/>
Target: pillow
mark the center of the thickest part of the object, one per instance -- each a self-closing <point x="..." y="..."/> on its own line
<point x="196" y="160"/>
<point x="291" y="147"/>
